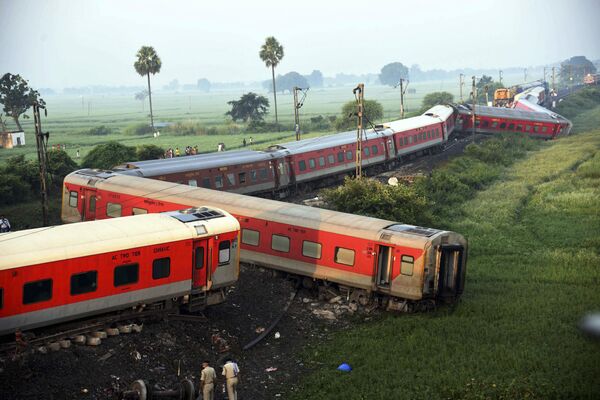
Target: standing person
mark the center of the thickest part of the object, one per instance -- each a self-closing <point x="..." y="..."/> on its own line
<point x="244" y="142"/>
<point x="177" y="152"/>
<point x="251" y="141"/>
<point x="207" y="381"/>
<point x="77" y="153"/>
<point x="4" y="224"/>
<point x="231" y="372"/>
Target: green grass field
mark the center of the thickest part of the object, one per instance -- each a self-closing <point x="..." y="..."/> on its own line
<point x="70" y="117"/>
<point x="533" y="272"/>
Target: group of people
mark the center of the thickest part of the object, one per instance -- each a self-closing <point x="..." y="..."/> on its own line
<point x="208" y="376"/>
<point x="189" y="151"/>
<point x="251" y="142"/>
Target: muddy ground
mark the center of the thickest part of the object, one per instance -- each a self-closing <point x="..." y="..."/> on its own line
<point x="167" y="351"/>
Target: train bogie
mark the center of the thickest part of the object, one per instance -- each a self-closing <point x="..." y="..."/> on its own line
<point x="50" y="275"/>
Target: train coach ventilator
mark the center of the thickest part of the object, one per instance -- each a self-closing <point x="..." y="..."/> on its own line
<point x="141" y="390"/>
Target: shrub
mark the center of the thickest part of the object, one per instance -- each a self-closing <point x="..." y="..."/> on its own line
<point x="60" y="165"/>
<point x="99" y="130"/>
<point x="139" y="130"/>
<point x="106" y="156"/>
<point x="13" y="189"/>
<point x="149" y="152"/>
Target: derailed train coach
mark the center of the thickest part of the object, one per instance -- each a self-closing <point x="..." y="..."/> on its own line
<point x="402" y="265"/>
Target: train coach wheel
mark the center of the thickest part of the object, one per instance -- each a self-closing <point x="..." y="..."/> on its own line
<point x="187" y="390"/>
<point x="141" y="388"/>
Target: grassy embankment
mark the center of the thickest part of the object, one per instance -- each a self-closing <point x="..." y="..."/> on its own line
<point x="534" y="271"/>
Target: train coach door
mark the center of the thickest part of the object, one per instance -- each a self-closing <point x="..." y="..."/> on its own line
<point x="384" y="266"/>
<point x="451" y="275"/>
<point x="200" y="263"/>
<point x="88" y="205"/>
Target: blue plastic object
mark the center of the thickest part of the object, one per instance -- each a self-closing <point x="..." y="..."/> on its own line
<point x="344" y="367"/>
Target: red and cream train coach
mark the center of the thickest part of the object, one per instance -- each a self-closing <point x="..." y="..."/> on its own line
<point x="366" y="255"/>
<point x="59" y="273"/>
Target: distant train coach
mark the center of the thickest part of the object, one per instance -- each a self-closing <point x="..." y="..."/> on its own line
<point x="54" y="274"/>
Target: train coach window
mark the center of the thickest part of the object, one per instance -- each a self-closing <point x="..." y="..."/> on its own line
<point x="224" y="252"/>
<point x="302" y="165"/>
<point x="494" y="124"/>
<point x="527" y="128"/>
<point x="34" y="292"/>
<point x="199" y="257"/>
<point x="349" y="155"/>
<point x="340" y="156"/>
<point x="519" y="127"/>
<point x="311" y="249"/>
<point x="409" y="139"/>
<point x="161" y="268"/>
<point x="253" y="176"/>
<point x="126" y="274"/>
<point x="231" y="179"/>
<point x="321" y="161"/>
<point x="536" y="128"/>
<point x="280" y="243"/>
<point x="408" y="263"/>
<point x="485" y="124"/>
<point x="138" y="211"/>
<point x="263" y="173"/>
<point x="344" y="256"/>
<point x="544" y="129"/>
<point x="374" y="149"/>
<point x="193" y="182"/>
<point x="84" y="282"/>
<point x="311" y="163"/>
<point x="414" y="138"/>
<point x="206" y="183"/>
<point x="219" y="181"/>
<point x="367" y="152"/>
<point x="73" y="199"/>
<point x="511" y="126"/>
<point x="242" y="177"/>
<point x="250" y="236"/>
<point x="503" y="125"/>
<point x="113" y="210"/>
<point x="92" y="204"/>
<point x="331" y="159"/>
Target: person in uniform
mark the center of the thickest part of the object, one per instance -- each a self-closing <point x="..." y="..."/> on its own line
<point x="231" y="372"/>
<point x="207" y="381"/>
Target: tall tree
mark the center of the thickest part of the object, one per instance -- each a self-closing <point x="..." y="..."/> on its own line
<point x="271" y="53"/>
<point x="16" y="96"/>
<point x="435" y="98"/>
<point x="392" y="73"/>
<point x="148" y="63"/>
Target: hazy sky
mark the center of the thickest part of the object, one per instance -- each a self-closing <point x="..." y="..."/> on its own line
<point x="58" y="43"/>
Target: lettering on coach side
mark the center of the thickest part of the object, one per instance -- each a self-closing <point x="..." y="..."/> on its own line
<point x="161" y="249"/>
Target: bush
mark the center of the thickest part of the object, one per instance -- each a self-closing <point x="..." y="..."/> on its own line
<point x="373" y="112"/>
<point x="99" y="131"/>
<point x="139" y="130"/>
<point x="14" y="190"/>
<point x="194" y="129"/>
<point x="106" y="156"/>
<point x="579" y="102"/>
<point x="149" y="152"/>
<point x="59" y="166"/>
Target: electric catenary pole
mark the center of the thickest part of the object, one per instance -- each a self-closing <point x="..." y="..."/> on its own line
<point x="500" y="76"/>
<point x="41" y="139"/>
<point x="474" y="95"/>
<point x="402" y="91"/>
<point x="359" y="94"/>
<point x="461" y="83"/>
<point x="297" y="106"/>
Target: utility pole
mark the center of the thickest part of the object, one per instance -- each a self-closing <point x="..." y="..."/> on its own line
<point x="525" y="74"/>
<point x="41" y="139"/>
<point x="500" y="76"/>
<point x="461" y="83"/>
<point x="402" y="91"/>
<point x="297" y="106"/>
<point x="359" y="94"/>
<point x="553" y="80"/>
<point x="487" y="101"/>
<point x="544" y="74"/>
<point x="474" y="94"/>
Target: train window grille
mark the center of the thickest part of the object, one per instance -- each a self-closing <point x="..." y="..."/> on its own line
<point x="37" y="291"/>
<point x="85" y="282"/>
<point x="340" y="156"/>
<point x="367" y="152"/>
<point x="331" y="159"/>
<point x="414" y="139"/>
<point x="494" y="124"/>
<point x="113" y="210"/>
<point x="224" y="252"/>
<point x="503" y="125"/>
<point x="511" y="126"/>
<point x="219" y="181"/>
<point x="428" y="134"/>
<point x="311" y="163"/>
<point x="321" y="161"/>
<point x="206" y="183"/>
<point x="92" y="204"/>
<point x="264" y="174"/>
<point x="199" y="257"/>
<point x="231" y="179"/>
<point x="242" y="177"/>
<point x="280" y="243"/>
<point x="73" y="196"/>
<point x="407" y="265"/>
<point x="302" y="165"/>
<point x="126" y="274"/>
<point x="374" y="150"/>
<point x="253" y="176"/>
<point x="250" y="237"/>
<point x="527" y="128"/>
<point x="544" y="129"/>
<point x="161" y="268"/>
<point x="519" y="127"/>
<point x="349" y="155"/>
<point x="536" y="128"/>
<point x="311" y="249"/>
<point x="485" y="124"/>
<point x="344" y="256"/>
<point x="193" y="182"/>
<point x="138" y="211"/>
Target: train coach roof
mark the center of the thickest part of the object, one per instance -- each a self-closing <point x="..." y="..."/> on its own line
<point x="35" y="246"/>
<point x="253" y="207"/>
<point x="510" y="113"/>
<point x="188" y="163"/>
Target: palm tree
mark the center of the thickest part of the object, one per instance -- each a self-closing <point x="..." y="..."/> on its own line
<point x="148" y="63"/>
<point x="271" y="53"/>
